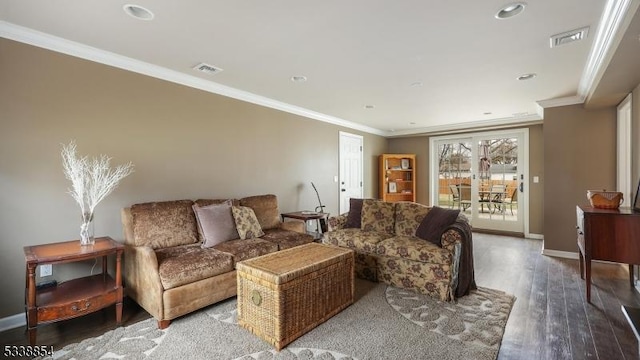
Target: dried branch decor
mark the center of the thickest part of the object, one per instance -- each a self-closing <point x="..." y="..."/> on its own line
<point x="91" y="181"/>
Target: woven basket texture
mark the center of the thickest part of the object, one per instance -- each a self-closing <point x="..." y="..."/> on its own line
<point x="604" y="199"/>
<point x="283" y="295"/>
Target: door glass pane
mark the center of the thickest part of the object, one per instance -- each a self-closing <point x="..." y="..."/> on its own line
<point x="497" y="168"/>
<point x="454" y="175"/>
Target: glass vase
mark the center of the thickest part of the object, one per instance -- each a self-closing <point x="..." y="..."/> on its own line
<point x="87" y="236"/>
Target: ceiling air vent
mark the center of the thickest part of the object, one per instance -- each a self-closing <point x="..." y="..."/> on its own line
<point x="569" y="36"/>
<point x="207" y="69"/>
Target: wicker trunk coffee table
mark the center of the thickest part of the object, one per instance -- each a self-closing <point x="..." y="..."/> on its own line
<point x="283" y="295"/>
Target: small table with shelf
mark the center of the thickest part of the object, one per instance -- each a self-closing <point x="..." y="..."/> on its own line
<point x="305" y="216"/>
<point x="74" y="297"/>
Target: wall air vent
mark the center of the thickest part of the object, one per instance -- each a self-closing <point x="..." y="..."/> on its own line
<point x="207" y="69"/>
<point x="569" y="36"/>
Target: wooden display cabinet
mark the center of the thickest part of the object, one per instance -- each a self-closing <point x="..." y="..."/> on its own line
<point x="397" y="180"/>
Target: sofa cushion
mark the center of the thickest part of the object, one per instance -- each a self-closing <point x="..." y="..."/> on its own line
<point x="215" y="223"/>
<point x="164" y="224"/>
<point x="354" y="217"/>
<point x="363" y="241"/>
<point x="266" y="209"/>
<point x="378" y="216"/>
<point x="413" y="248"/>
<point x="246" y="249"/>
<point x="180" y="265"/>
<point x="435" y="223"/>
<point x="408" y="217"/>
<point x="246" y="222"/>
<point x="285" y="238"/>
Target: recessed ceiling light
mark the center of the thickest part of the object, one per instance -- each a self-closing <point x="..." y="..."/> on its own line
<point x="526" y="77"/>
<point x="138" y="12"/>
<point x="369" y="106"/>
<point x="298" y="78"/>
<point x="510" y="10"/>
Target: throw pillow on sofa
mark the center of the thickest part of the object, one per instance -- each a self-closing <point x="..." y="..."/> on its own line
<point x="216" y="223"/>
<point x="435" y="223"/>
<point x="354" y="217"/>
<point x="246" y="222"/>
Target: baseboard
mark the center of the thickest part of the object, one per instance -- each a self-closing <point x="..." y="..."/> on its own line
<point x="534" y="236"/>
<point x="560" y="254"/>
<point x="12" y="322"/>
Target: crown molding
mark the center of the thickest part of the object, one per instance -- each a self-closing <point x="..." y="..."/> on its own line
<point x="72" y="48"/>
<point x="563" y="101"/>
<point x="616" y="13"/>
<point x="492" y="124"/>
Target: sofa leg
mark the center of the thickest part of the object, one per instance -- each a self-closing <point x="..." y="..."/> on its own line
<point x="163" y="324"/>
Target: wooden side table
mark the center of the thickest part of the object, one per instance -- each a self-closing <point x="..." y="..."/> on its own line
<point x="74" y="297"/>
<point x="609" y="235"/>
<point x="305" y="216"/>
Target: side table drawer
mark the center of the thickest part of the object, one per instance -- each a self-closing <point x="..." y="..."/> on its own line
<point x="76" y="308"/>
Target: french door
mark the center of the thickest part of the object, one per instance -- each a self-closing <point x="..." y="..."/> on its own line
<point x="484" y="175"/>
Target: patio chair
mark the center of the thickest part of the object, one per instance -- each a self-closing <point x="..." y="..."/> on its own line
<point x="511" y="199"/>
<point x="465" y="197"/>
<point x="455" y="194"/>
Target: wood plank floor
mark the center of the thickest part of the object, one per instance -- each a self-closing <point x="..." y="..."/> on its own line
<point x="550" y="318"/>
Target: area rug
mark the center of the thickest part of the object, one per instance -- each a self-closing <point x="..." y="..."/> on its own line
<point x="383" y="323"/>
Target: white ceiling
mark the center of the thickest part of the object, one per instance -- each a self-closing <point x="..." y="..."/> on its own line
<point x="353" y="53"/>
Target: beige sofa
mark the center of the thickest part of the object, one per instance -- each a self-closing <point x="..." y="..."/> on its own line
<point x="388" y="250"/>
<point x="169" y="273"/>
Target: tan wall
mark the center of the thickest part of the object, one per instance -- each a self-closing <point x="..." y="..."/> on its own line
<point x="185" y="143"/>
<point x="419" y="145"/>
<point x="579" y="155"/>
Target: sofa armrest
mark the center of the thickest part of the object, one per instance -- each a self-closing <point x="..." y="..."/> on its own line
<point x="451" y="238"/>
<point x="457" y="238"/>
<point x="337" y="222"/>
<point x="142" y="279"/>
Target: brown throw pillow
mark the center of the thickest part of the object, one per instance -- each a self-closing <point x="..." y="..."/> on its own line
<point x="246" y="222"/>
<point x="354" y="217"/>
<point x="435" y="223"/>
<point x="216" y="223"/>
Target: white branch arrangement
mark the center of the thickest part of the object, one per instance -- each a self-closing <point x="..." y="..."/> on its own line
<point x="91" y="181"/>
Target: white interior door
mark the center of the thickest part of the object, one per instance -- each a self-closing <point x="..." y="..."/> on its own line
<point x="351" y="161"/>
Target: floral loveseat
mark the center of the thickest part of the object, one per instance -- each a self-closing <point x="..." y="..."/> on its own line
<point x="388" y="250"/>
<point x="170" y="271"/>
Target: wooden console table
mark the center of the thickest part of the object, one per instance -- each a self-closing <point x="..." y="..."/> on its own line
<point x="610" y="235"/>
<point x="75" y="297"/>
